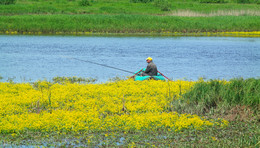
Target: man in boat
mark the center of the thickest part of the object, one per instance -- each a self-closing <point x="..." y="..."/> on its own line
<point x="151" y="69"/>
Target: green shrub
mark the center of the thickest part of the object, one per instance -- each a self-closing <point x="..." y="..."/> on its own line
<point x="7" y="2"/>
<point x="243" y="1"/>
<point x="211" y="1"/>
<point x="248" y="1"/>
<point x="165" y="5"/>
<point x="84" y="3"/>
<point x="141" y="1"/>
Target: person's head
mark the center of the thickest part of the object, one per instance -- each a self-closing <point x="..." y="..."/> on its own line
<point x="149" y="59"/>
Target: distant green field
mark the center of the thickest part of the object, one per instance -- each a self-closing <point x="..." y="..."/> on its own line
<point x="128" y="17"/>
<point x="120" y="7"/>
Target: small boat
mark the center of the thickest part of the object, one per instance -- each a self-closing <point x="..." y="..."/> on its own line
<point x="138" y="76"/>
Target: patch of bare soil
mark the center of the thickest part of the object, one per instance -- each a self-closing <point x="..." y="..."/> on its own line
<point x="241" y="113"/>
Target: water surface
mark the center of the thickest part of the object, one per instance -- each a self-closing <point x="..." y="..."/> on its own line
<point x="30" y="58"/>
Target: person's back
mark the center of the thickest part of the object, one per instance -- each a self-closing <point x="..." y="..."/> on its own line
<point x="151" y="69"/>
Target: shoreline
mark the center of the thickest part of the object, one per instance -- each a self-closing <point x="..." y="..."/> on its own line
<point x="146" y="34"/>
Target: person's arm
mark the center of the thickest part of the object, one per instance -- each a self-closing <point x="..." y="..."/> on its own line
<point x="148" y="68"/>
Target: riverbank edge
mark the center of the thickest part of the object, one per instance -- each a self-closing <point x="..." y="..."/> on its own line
<point x="173" y="34"/>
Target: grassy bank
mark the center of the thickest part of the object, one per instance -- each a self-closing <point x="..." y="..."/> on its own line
<point x="154" y="7"/>
<point x="126" y="24"/>
<point x="128" y="17"/>
<point x="129" y="113"/>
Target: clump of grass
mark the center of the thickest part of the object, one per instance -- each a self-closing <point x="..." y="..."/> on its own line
<point x="116" y="79"/>
<point x="165" y="5"/>
<point x="240" y="91"/>
<point x="211" y="1"/>
<point x="243" y="1"/>
<point x="63" y="80"/>
<point x="221" y="97"/>
<point x="7" y="2"/>
<point x="141" y="1"/>
<point x="84" y="3"/>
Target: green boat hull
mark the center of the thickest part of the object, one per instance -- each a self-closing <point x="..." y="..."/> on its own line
<point x="138" y="76"/>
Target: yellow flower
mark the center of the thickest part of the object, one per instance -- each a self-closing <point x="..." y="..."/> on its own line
<point x="214" y="138"/>
<point x="123" y="105"/>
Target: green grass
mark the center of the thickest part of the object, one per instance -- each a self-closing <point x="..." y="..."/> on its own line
<point x="236" y="100"/>
<point x="237" y="91"/>
<point x="115" y="7"/>
<point x="126" y="23"/>
<point x="123" y="16"/>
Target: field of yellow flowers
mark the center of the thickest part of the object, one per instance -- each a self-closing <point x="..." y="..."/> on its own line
<point x="119" y="113"/>
<point x="118" y="106"/>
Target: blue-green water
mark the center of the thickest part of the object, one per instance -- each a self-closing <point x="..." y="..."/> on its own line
<point x="30" y="58"/>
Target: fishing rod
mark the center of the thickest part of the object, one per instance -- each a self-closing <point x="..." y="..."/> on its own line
<point x="100" y="64"/>
<point x="87" y="61"/>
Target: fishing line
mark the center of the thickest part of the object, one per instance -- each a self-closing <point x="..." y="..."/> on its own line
<point x="86" y="61"/>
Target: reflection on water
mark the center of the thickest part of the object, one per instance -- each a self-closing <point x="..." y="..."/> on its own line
<point x="29" y="58"/>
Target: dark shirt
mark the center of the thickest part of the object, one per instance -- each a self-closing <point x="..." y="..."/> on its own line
<point x="151" y="69"/>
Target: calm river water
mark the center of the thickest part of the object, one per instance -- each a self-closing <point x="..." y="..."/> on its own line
<point x="31" y="58"/>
